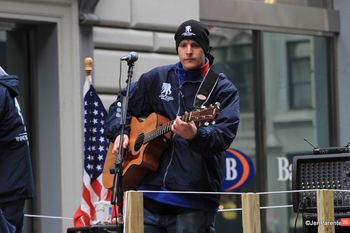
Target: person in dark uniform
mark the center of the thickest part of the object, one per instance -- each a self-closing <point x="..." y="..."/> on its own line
<point x="16" y="177"/>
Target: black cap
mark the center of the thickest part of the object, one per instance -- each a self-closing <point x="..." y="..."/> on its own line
<point x="193" y="30"/>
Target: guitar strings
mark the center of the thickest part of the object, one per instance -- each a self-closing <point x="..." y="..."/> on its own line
<point x="147" y="137"/>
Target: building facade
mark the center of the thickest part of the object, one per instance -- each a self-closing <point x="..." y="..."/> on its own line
<point x="288" y="59"/>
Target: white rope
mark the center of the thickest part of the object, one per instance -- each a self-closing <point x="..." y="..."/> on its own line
<point x="302" y="191"/>
<point x="187" y="192"/>
<point x="214" y="193"/>
<point x="46" y="216"/>
<point x="276" y="207"/>
<point x="288" y="191"/>
<point x="239" y="193"/>
<point x="261" y="207"/>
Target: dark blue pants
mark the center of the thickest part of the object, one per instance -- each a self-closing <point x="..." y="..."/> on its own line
<point x="188" y="221"/>
<point x="5" y="226"/>
<point x="13" y="212"/>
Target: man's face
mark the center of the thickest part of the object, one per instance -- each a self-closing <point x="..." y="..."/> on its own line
<point x="191" y="55"/>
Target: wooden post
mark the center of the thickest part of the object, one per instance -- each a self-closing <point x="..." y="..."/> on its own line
<point x="88" y="65"/>
<point x="325" y="211"/>
<point x="88" y="68"/>
<point x="251" y="213"/>
<point x="133" y="209"/>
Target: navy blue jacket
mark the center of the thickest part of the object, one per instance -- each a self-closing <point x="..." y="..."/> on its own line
<point x="187" y="165"/>
<point x="16" y="178"/>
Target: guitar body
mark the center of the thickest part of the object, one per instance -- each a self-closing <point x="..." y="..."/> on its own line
<point x="141" y="157"/>
<point x="149" y="138"/>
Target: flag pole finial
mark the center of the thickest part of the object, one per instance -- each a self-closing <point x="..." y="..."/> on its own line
<point x="88" y="65"/>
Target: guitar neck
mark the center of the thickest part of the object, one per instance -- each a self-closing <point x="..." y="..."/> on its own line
<point x="196" y="116"/>
<point x="164" y="128"/>
<point x="157" y="132"/>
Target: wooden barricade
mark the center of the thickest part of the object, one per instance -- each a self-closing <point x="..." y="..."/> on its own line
<point x="133" y="212"/>
<point x="250" y="212"/>
<point x="325" y="211"/>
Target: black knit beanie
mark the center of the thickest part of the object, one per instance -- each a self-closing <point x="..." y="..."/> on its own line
<point x="193" y="30"/>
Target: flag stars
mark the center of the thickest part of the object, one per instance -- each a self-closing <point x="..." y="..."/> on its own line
<point x="95" y="143"/>
<point x="90" y="167"/>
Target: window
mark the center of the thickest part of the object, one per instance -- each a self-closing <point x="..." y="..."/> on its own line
<point x="233" y="54"/>
<point x="291" y="83"/>
<point x="296" y="79"/>
<point x="299" y="74"/>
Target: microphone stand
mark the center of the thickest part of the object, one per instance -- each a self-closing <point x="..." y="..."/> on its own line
<point x="117" y="192"/>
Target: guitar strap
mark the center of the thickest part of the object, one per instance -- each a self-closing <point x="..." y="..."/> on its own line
<point x="206" y="88"/>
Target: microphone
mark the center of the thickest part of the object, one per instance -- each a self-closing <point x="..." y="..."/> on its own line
<point x="329" y="150"/>
<point x="131" y="57"/>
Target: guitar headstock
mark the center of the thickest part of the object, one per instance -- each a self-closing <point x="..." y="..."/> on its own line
<point x="203" y="114"/>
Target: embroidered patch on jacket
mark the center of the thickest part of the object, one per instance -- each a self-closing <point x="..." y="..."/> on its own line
<point x="165" y="94"/>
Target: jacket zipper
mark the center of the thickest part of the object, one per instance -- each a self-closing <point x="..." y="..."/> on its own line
<point x="179" y="96"/>
<point x="167" y="167"/>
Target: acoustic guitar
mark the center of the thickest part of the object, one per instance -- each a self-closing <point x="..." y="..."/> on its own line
<point x="148" y="139"/>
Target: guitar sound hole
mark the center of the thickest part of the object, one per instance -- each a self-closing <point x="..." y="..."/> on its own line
<point x="139" y="142"/>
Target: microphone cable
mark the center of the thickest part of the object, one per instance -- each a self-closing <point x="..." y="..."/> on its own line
<point x="300" y="206"/>
<point x="120" y="76"/>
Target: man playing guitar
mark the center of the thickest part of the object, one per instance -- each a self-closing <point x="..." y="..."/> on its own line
<point x="194" y="156"/>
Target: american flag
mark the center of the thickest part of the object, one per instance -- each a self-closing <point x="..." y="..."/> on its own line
<point x="95" y="149"/>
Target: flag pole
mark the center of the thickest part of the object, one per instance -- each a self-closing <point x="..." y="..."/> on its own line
<point x="88" y="67"/>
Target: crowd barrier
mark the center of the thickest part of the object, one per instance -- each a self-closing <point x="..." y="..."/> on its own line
<point x="133" y="218"/>
<point x="251" y="209"/>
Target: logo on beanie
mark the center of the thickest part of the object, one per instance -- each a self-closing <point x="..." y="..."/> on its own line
<point x="188" y="31"/>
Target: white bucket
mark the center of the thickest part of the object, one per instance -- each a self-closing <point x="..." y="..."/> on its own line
<point x="103" y="212"/>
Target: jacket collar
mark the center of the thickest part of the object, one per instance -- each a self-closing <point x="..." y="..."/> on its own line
<point x="195" y="75"/>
